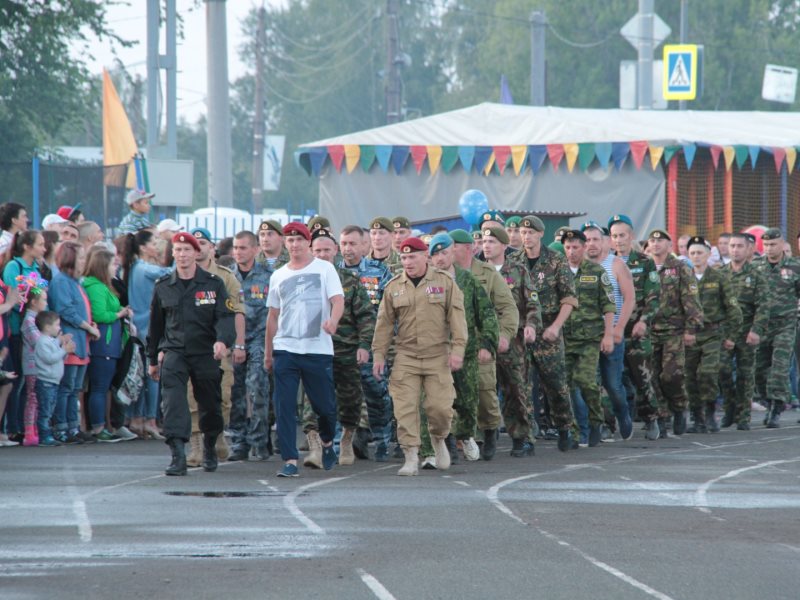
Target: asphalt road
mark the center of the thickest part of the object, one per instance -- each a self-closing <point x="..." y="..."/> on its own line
<point x="709" y="516"/>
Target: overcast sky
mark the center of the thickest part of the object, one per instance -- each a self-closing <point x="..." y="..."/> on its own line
<point x="130" y="23"/>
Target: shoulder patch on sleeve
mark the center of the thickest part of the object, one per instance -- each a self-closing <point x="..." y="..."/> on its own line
<point x="693" y="288"/>
<point x="229" y="305"/>
<point x="653" y="276"/>
<point x="604" y="278"/>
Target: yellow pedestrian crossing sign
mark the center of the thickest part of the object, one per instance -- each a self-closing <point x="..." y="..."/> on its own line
<point x="680" y="72"/>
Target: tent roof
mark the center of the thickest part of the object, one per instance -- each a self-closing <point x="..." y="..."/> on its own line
<point x="491" y="124"/>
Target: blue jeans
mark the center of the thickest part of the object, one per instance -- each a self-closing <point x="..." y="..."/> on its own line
<point x="581" y="412"/>
<point x="46" y="394"/>
<point x="146" y="407"/>
<point x="611" y="366"/>
<point x="101" y="372"/>
<point x="66" y="413"/>
<point x="316" y="372"/>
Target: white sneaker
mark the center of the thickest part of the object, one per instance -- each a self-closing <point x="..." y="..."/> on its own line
<point x="429" y="463"/>
<point x="126" y="434"/>
<point x="471" y="450"/>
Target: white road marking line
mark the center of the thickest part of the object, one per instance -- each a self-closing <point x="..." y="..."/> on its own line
<point x="702" y="445"/>
<point x="84" y="525"/>
<point x="263" y="482"/>
<point x="375" y="586"/>
<point x="290" y="503"/>
<point x="701" y="498"/>
<point x="464" y="483"/>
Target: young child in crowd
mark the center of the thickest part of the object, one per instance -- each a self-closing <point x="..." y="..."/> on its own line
<point x="33" y="297"/>
<point x="51" y="350"/>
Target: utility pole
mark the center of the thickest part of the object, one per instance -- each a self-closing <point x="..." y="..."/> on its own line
<point x="392" y="91"/>
<point x="645" y="48"/>
<point x="258" y="119"/>
<point x="220" y="176"/>
<point x="153" y="19"/>
<point x="538" y="64"/>
<point x="156" y="62"/>
<point x="684" y="35"/>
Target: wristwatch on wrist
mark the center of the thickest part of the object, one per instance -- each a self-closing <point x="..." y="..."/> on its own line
<point x="239" y="347"/>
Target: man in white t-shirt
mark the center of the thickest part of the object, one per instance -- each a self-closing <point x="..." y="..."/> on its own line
<point x="305" y="303"/>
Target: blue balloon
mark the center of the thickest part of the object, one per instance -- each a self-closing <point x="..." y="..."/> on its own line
<point x="473" y="203"/>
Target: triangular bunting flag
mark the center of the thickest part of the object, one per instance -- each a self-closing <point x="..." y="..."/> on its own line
<point x="779" y="154"/>
<point x="399" y="158"/>
<point x="303" y="159"/>
<point x="689" y="150"/>
<point x="518" y="154"/>
<point x="791" y="157"/>
<point x="754" y="151"/>
<point x="571" y="152"/>
<point x="352" y="153"/>
<point x="715" y="152"/>
<point x="434" y="158"/>
<point x="418" y="154"/>
<point x="729" y="153"/>
<point x="741" y="155"/>
<point x="555" y="153"/>
<point x="367" y="157"/>
<point x="536" y="155"/>
<point x="603" y="153"/>
<point x="336" y="152"/>
<point x="489" y="164"/>
<point x="384" y="156"/>
<point x="467" y="155"/>
<point x="638" y="150"/>
<point x="317" y="156"/>
<point x="482" y="154"/>
<point x="669" y="152"/>
<point x="449" y="157"/>
<point x="501" y="156"/>
<point x="585" y="155"/>
<point x="619" y="153"/>
<point x="656" y="152"/>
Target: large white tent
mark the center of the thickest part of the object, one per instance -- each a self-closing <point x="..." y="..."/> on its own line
<point x="558" y="159"/>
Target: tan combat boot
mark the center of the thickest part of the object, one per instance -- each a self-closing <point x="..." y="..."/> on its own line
<point x="223" y="450"/>
<point x="442" y="454"/>
<point x="411" y="466"/>
<point x="314" y="456"/>
<point x="346" y="455"/>
<point x="195" y="457"/>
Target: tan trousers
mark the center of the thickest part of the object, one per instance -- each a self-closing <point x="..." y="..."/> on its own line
<point x="411" y="377"/>
<point x="488" y="405"/>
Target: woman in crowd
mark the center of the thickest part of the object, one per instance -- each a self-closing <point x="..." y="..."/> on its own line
<point x="48" y="266"/>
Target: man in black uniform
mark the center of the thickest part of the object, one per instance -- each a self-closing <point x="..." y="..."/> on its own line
<point x="191" y="325"/>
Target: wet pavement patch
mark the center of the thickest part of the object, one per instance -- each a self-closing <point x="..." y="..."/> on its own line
<point x="260" y="494"/>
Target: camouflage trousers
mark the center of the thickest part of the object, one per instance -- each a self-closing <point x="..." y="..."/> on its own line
<point x="669" y="364"/>
<point x="377" y="400"/>
<point x="249" y="421"/>
<point x="773" y="362"/>
<point x="639" y="368"/>
<point x="738" y="393"/>
<point x="547" y="358"/>
<point x="581" y="358"/>
<point x="702" y="373"/>
<point x="512" y="378"/>
<point x="349" y="396"/>
<point x="488" y="404"/>
<point x="465" y="419"/>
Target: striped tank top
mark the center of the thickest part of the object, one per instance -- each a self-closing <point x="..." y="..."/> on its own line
<point x="607" y="265"/>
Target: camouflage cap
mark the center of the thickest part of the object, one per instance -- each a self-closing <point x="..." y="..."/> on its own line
<point x="381" y="223"/>
<point x="532" y="222"/>
<point x="773" y="233"/>
<point x="497" y="233"/>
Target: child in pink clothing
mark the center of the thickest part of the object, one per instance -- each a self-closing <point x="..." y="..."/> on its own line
<point x="33" y="293"/>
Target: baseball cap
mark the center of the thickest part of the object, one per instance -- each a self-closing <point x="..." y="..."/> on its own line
<point x="136" y="195"/>
<point x="65" y="211"/>
<point x="53" y="219"/>
<point x="168" y="225"/>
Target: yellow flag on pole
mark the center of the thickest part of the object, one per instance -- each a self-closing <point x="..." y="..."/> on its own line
<point x="119" y="145"/>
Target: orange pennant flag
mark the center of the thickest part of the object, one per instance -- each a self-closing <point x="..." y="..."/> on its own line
<point x="729" y="152"/>
<point x="791" y="157"/>
<point x="352" y="153"/>
<point x="119" y="145"/>
<point x="518" y="154"/>
<point x="571" y="152"/>
<point x="656" y="152"/>
<point x="489" y="164"/>
<point x="434" y="158"/>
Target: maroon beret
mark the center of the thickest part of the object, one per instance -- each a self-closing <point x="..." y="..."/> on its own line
<point x="295" y="228"/>
<point x="413" y="244"/>
<point x="186" y="238"/>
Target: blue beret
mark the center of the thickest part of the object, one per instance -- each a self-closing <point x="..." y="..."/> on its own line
<point x="439" y="242"/>
<point x="620" y="219"/>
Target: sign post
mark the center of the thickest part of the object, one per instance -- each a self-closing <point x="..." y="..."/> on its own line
<point x="680" y="72"/>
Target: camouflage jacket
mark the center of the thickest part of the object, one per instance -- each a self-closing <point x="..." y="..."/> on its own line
<point x="524" y="293"/>
<point x="721" y="312"/>
<point x="595" y="299"/>
<point x="253" y="296"/>
<point x="783" y="287"/>
<point x="373" y="275"/>
<point x="482" y="328"/>
<point x="554" y="283"/>
<point x="750" y="289"/>
<point x="391" y="262"/>
<point x="499" y="295"/>
<point x="282" y="259"/>
<point x="357" y="325"/>
<point x="647" y="284"/>
<point x="679" y="309"/>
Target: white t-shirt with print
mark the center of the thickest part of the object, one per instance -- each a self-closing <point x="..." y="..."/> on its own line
<point x="303" y="298"/>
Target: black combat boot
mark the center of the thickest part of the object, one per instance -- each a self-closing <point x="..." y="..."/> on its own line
<point x="489" y="444"/>
<point x="521" y="447"/>
<point x="209" y="452"/>
<point x="774" y="417"/>
<point x="730" y="416"/>
<point x="679" y="422"/>
<point x="178" y="464"/>
<point x="563" y="440"/>
<point x="698" y="422"/>
<point x="711" y="422"/>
